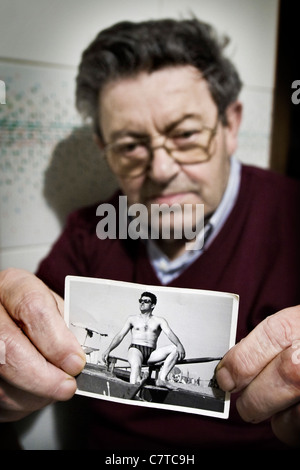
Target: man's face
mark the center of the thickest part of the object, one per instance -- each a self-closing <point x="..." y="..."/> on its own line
<point x="145" y="304"/>
<point x="148" y="105"/>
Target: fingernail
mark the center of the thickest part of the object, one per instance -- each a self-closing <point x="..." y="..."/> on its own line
<point x="225" y="379"/>
<point x="73" y="364"/>
<point x="66" y="389"/>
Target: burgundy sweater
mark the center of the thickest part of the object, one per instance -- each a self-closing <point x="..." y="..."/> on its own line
<point x="256" y="255"/>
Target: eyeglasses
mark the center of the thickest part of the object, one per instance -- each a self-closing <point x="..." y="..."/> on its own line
<point x="131" y="157"/>
<point x="145" y="301"/>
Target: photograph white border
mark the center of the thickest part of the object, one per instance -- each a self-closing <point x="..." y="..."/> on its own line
<point x="205" y="322"/>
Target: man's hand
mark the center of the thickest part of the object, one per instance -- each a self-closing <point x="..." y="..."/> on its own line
<point x="265" y="368"/>
<point x="180" y="352"/>
<point x="105" y="357"/>
<point x="39" y="356"/>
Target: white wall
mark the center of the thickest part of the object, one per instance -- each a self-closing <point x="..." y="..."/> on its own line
<point x="56" y="32"/>
<point x="47" y="168"/>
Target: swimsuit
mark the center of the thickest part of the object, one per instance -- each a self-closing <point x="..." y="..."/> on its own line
<point x="145" y="350"/>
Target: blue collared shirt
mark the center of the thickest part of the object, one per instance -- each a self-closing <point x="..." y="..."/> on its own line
<point x="167" y="269"/>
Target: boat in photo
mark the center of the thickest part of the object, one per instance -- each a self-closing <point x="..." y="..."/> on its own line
<point x="113" y="381"/>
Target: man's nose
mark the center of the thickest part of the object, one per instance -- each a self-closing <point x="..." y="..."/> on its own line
<point x="163" y="166"/>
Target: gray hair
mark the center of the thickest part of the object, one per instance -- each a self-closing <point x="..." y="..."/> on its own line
<point x="126" y="49"/>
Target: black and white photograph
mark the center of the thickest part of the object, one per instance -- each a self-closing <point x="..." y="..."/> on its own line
<point x="151" y="345"/>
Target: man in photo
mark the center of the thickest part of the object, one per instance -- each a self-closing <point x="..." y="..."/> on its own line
<point x="145" y="330"/>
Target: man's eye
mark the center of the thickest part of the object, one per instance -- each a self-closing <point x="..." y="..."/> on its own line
<point x="186" y="137"/>
<point x="130" y="148"/>
<point x="133" y="148"/>
<point x="185" y="134"/>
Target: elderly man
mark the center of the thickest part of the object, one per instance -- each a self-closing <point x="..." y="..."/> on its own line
<point x="164" y="103"/>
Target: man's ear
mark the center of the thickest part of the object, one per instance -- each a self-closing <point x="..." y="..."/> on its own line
<point x="98" y="141"/>
<point x="234" y="114"/>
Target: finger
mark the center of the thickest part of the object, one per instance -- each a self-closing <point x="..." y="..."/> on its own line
<point x="275" y="389"/>
<point x="286" y="426"/>
<point x="35" y="309"/>
<point x="249" y="357"/>
<point x="26" y="369"/>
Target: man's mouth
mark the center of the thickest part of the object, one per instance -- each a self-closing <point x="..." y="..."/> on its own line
<point x="169" y="198"/>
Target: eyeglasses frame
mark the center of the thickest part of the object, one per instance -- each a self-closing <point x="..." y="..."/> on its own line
<point x="151" y="149"/>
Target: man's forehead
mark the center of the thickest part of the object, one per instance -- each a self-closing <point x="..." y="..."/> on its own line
<point x="156" y="99"/>
<point x="145" y="297"/>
